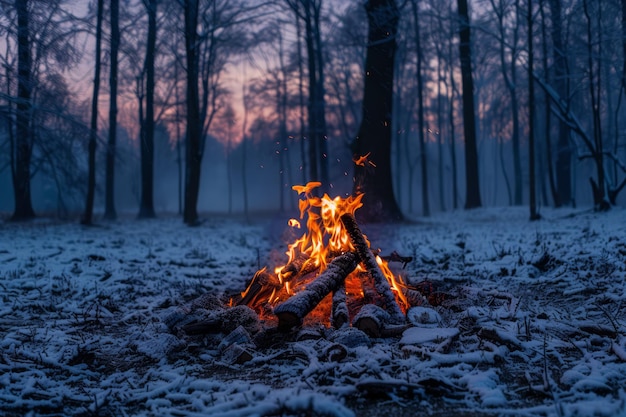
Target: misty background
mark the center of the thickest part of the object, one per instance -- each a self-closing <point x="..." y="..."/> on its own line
<point x="257" y="94"/>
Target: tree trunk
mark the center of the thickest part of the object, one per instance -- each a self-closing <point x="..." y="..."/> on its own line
<point x="564" y="153"/>
<point x="311" y="108"/>
<point x="455" y="186"/>
<point x="420" y="113"/>
<point x="91" y="176"/>
<point x="531" y="117"/>
<point x="192" y="150"/>
<point x="281" y="108"/>
<point x="24" y="141"/>
<point x="109" y="205"/>
<point x="548" y="115"/>
<point x="624" y="44"/>
<point x="469" y="124"/>
<point x="244" y="151"/>
<point x="374" y="135"/>
<point x="146" y="205"/>
<point x="303" y="169"/>
<point x="439" y="133"/>
<point x="320" y="102"/>
<point x="595" y="84"/>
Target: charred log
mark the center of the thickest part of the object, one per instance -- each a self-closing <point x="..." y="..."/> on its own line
<point x="369" y="262"/>
<point x="371" y="320"/>
<point x="339" y="315"/>
<point x="413" y="297"/>
<point x="291" y="312"/>
<point x="226" y="321"/>
<point x="260" y="288"/>
<point x="293" y="268"/>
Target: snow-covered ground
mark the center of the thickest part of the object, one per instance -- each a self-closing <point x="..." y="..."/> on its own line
<point x="535" y="323"/>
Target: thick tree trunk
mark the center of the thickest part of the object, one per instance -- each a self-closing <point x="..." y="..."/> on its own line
<point x="472" y="199"/>
<point x="548" y="114"/>
<point x="146" y="205"/>
<point x="192" y="150"/>
<point x="312" y="104"/>
<point x="109" y="205"/>
<point x="564" y="153"/>
<point x="91" y="176"/>
<point x="320" y="101"/>
<point x="420" y="113"/>
<point x="374" y="135"/>
<point x="21" y="174"/>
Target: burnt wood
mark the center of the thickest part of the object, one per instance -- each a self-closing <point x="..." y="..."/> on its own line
<point x="368" y="260"/>
<point x="291" y="312"/>
<point x="339" y="313"/>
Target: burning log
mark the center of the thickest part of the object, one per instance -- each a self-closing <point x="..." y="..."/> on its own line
<point x="302" y="265"/>
<point x="291" y="312"/>
<point x="396" y="257"/>
<point x="261" y="286"/>
<point x="369" y="262"/>
<point x="413" y="297"/>
<point x="339" y="316"/>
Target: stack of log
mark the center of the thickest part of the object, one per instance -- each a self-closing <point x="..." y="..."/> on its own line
<point x="382" y="317"/>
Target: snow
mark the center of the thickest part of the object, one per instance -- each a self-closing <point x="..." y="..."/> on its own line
<point x="534" y="323"/>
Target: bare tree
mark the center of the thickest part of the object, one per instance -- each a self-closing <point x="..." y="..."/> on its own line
<point x="309" y="12"/>
<point x="509" y="73"/>
<point x="109" y="205"/>
<point x="373" y="141"/>
<point x="469" y="124"/>
<point x="24" y="140"/>
<point x="534" y="215"/>
<point x="420" y="110"/>
<point x="560" y="75"/>
<point x="193" y="155"/>
<point x="599" y="188"/>
<point x="93" y="136"/>
<point x="146" y="205"/>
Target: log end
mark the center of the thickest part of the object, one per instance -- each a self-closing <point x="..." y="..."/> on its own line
<point x="369" y="326"/>
<point x="287" y="321"/>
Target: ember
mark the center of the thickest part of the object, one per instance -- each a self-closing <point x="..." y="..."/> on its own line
<point x="331" y="268"/>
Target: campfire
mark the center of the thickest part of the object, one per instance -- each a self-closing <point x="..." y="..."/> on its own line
<point x="331" y="281"/>
<point x="332" y="274"/>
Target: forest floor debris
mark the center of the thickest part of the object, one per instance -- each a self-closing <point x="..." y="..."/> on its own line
<point x="535" y="322"/>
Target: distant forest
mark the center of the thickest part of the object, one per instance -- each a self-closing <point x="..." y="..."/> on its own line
<point x="202" y="106"/>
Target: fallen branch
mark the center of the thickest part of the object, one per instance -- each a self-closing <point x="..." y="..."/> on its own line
<point x="396" y="257"/>
<point x="291" y="312"/>
<point x="369" y="262"/>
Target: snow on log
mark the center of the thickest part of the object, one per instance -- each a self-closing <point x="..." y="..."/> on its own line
<point x="291" y="312"/>
<point x="371" y="319"/>
<point x="289" y="271"/>
<point x="339" y="313"/>
<point x="369" y="262"/>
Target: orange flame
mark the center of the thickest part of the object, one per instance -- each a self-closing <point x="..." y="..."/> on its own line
<point x="362" y="160"/>
<point x="324" y="238"/>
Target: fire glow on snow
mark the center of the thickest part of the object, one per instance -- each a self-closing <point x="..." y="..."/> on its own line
<point x="538" y="327"/>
